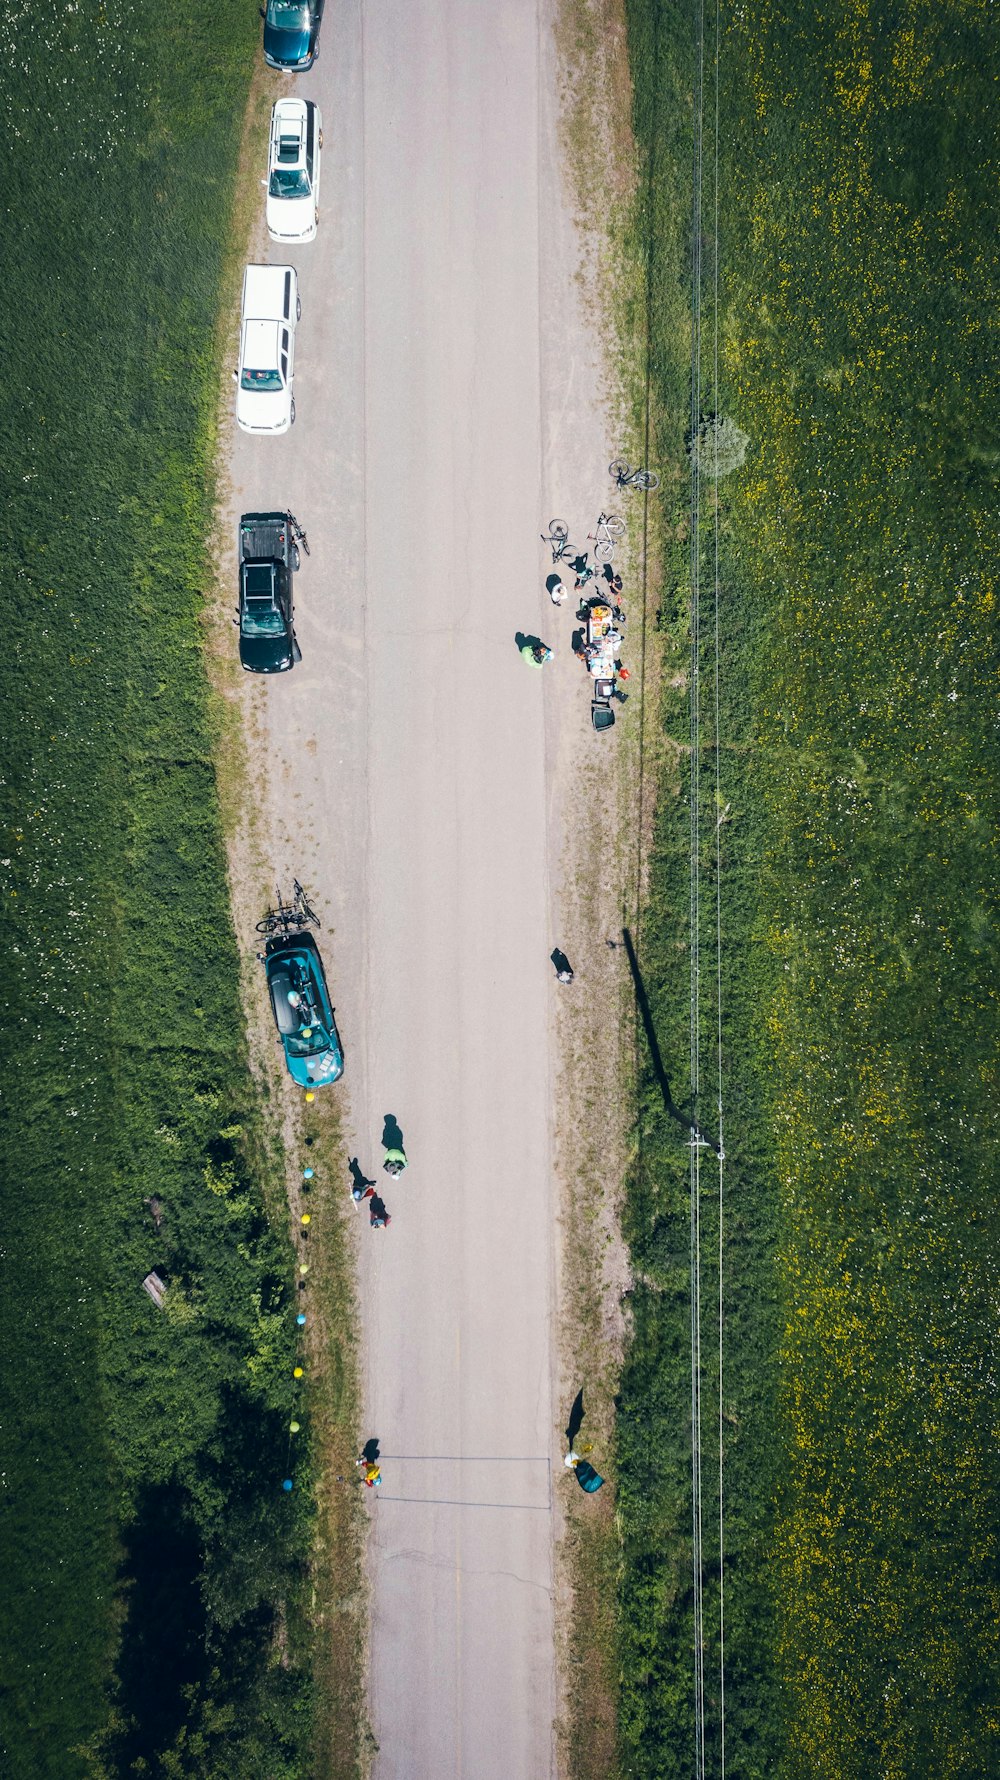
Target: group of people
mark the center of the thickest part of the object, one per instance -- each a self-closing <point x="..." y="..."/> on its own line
<point x="393" y="1164"/>
<point x="585" y="572"/>
<point x="369" y="1460"/>
<point x="606" y="610"/>
<point x="604" y="616"/>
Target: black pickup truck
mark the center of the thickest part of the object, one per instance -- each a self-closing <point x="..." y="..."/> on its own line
<point x="269" y="556"/>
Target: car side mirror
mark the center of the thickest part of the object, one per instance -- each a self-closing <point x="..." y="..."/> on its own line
<point x="262" y="13"/>
<point x="263" y="182"/>
<point x="236" y="376"/>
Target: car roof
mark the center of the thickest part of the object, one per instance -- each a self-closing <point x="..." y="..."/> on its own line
<point x="286" y="1017"/>
<point x="260" y="345"/>
<point x="290" y="111"/>
<point x="288" y="145"/>
<point x="264" y="289"/>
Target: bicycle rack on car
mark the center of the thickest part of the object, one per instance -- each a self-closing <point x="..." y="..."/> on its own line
<point x="289" y="917"/>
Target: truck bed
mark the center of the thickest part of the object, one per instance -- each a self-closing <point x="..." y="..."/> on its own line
<point x="265" y="537"/>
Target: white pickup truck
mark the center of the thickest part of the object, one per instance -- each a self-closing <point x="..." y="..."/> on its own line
<point x="264" y="377"/>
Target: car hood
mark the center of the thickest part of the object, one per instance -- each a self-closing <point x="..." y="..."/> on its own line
<point x="286" y="47"/>
<point x="291" y="217"/>
<point x="266" y="655"/>
<point x="263" y="411"/>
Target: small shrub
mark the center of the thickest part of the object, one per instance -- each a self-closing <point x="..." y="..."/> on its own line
<point x="719" y="445"/>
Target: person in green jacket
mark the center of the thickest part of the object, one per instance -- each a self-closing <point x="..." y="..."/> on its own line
<point x="536" y="654"/>
<point x="394" y="1162"/>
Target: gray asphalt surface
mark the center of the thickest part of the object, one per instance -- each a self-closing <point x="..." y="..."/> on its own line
<point x="446" y="407"/>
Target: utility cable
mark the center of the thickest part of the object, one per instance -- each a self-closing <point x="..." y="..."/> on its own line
<point x="719" y="812"/>
<point x="695" y="890"/>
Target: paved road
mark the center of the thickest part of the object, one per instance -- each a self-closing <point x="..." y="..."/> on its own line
<point x="414" y="760"/>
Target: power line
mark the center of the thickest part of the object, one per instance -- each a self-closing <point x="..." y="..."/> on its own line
<point x="694" y="903"/>
<point x="718" y="917"/>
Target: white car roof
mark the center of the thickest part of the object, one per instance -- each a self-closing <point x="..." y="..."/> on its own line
<point x="264" y="291"/>
<point x="260" y="345"/>
<point x="290" y="111"/>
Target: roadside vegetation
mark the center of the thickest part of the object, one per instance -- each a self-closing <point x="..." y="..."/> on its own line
<point x="859" y="278"/>
<point x="155" y="1596"/>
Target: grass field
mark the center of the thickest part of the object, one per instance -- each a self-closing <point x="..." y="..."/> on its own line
<point x="857" y="165"/>
<point x="153" y="1567"/>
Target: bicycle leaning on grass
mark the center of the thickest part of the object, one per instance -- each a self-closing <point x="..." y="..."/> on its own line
<point x="626" y="477"/>
<point x="608" y="530"/>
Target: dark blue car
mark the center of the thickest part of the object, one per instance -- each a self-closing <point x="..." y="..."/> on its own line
<point x="291" y="33"/>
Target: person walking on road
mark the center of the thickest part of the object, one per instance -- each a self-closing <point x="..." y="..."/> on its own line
<point x="536" y="654"/>
<point x="370" y="1467"/>
<point x="379" y="1218"/>
<point x="359" y="1180"/>
<point x="394" y="1162"/>
<point x="562" y="967"/>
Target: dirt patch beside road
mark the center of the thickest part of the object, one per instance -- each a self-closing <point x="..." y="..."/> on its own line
<point x="304" y="1136"/>
<point x="607" y="831"/>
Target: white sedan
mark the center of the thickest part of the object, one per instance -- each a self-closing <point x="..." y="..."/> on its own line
<point x="264" y="376"/>
<point x="293" y="170"/>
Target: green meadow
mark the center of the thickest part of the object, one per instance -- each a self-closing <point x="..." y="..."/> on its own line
<point x="858" y="670"/>
<point x="153" y="1568"/>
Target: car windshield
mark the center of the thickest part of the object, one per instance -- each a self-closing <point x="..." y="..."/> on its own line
<point x="264" y="382"/>
<point x="301" y="1046"/>
<point x="289" y="182"/>
<point x="262" y="620"/>
<point x="287" y="15"/>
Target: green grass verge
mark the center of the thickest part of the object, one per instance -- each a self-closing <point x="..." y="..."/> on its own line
<point x="859" y="676"/>
<point x="151" y="1593"/>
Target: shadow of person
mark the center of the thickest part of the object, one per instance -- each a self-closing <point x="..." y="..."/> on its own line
<point x="575" y="1418"/>
<point x="392" y="1136"/>
<point x="359" y="1179"/>
<point x="370" y="1450"/>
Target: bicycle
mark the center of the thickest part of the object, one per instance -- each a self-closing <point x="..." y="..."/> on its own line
<point x="289" y="917"/>
<point x="558" y="536"/>
<point x="608" y="530"/>
<point x="626" y="477"/>
<point x="298" y="533"/>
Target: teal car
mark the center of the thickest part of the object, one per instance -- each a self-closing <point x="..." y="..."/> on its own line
<point x="300" y="1002"/>
<point x="291" y="33"/>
